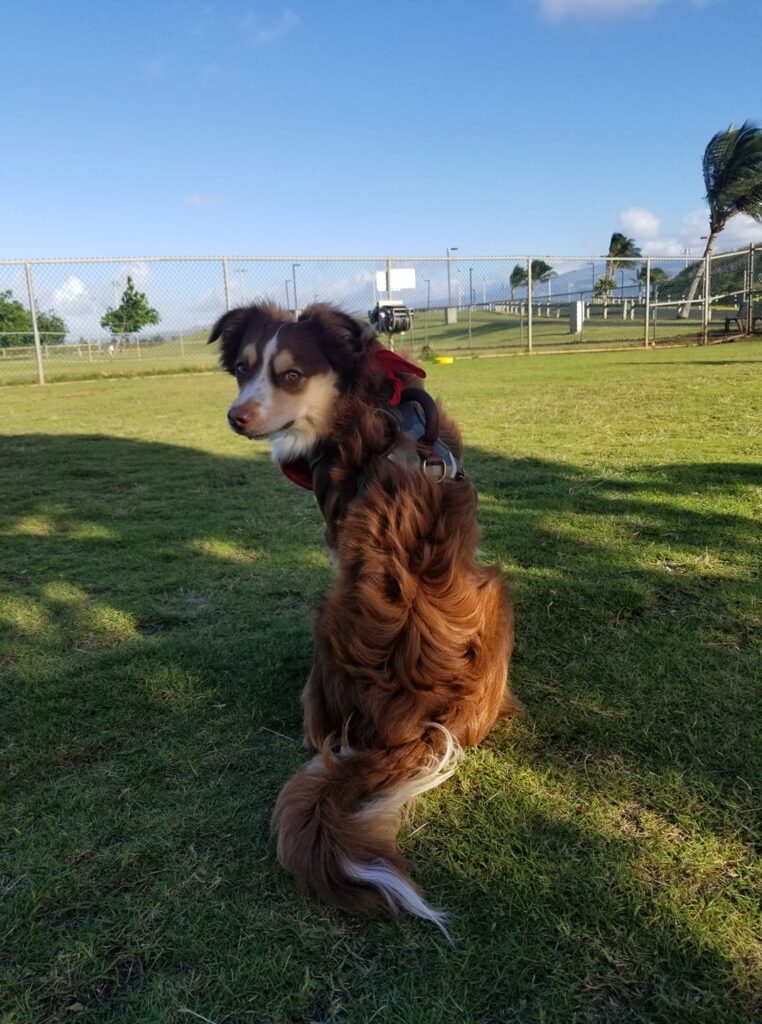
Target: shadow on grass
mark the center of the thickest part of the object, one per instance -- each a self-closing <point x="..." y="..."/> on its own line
<point x="638" y="604"/>
<point x="157" y="638"/>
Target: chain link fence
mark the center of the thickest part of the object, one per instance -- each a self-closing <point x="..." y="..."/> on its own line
<point x="63" y="319"/>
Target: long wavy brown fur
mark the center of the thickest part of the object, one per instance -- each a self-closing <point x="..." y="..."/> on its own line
<point x="411" y="658"/>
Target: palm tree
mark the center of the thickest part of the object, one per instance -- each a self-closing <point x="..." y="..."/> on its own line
<point x="658" y="275"/>
<point x="620" y="249"/>
<point x="518" y="278"/>
<point x="541" y="271"/>
<point x="732" y="169"/>
<point x="604" y="288"/>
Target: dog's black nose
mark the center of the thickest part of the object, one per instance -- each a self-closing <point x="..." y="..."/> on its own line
<point x="239" y="418"/>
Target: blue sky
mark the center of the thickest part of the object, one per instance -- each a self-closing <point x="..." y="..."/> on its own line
<point x="499" y="126"/>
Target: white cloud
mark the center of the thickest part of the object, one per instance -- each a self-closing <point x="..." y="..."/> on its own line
<point x="741" y="230"/>
<point x="641" y="224"/>
<point x="259" y="32"/>
<point x="73" y="298"/>
<point x="583" y="8"/>
<point x="71" y="290"/>
<point x="558" y="9"/>
<point x="688" y="240"/>
<point x="139" y="272"/>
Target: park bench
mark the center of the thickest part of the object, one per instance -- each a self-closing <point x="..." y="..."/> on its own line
<point x="742" y="313"/>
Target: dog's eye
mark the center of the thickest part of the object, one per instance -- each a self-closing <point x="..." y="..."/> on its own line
<point x="291" y="376"/>
<point x="240" y="368"/>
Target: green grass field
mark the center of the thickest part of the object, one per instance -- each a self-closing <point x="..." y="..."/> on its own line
<point x="599" y="855"/>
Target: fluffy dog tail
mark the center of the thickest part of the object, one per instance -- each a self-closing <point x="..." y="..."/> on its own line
<point x="337" y="823"/>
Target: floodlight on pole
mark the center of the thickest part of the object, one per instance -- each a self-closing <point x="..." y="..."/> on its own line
<point x="428" y="306"/>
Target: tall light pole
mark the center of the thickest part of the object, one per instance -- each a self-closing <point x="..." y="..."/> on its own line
<point x="293" y="274"/>
<point x="592" y="271"/>
<point x="428" y="306"/>
<point x="470" y="300"/>
<point x="450" y="249"/>
<point x="288" y="297"/>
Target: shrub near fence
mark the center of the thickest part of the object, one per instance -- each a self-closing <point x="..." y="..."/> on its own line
<point x="461" y="306"/>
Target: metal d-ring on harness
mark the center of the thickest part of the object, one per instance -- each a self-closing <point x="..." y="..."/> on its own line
<point x="418" y="419"/>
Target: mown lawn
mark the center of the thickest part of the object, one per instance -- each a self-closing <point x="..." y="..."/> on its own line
<point x="598" y="855"/>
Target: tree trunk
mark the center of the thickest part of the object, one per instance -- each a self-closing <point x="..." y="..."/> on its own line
<point x="685" y="310"/>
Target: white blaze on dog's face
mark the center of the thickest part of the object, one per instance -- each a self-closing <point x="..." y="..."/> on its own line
<point x="287" y="384"/>
<point x="287" y="393"/>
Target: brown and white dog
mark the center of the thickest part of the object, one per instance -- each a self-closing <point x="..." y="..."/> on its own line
<point x="411" y="648"/>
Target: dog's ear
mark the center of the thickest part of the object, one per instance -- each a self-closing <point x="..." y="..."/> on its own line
<point x="345" y="339"/>
<point x="253" y="321"/>
<point x="229" y="329"/>
<point x="344" y="329"/>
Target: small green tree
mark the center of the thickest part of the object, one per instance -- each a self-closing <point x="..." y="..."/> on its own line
<point x="131" y="315"/>
<point x="16" y="324"/>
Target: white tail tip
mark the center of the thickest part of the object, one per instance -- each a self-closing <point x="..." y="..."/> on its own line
<point x="398" y="893"/>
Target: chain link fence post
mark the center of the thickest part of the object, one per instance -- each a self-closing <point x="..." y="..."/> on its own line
<point x="529" y="305"/>
<point x="749" y="297"/>
<point x="648" y="303"/>
<point x="227" y="283"/>
<point x="705" y="304"/>
<point x="35" y="328"/>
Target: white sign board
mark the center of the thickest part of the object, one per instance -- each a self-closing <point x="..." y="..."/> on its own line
<point x="402" y="277"/>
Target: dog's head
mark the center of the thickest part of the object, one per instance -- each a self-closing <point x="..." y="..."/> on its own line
<point x="289" y="373"/>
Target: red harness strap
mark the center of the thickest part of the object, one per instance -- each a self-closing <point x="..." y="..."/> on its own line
<point x="299" y="471"/>
<point x="392" y="364"/>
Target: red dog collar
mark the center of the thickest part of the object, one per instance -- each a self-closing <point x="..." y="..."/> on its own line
<point x="299" y="471"/>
